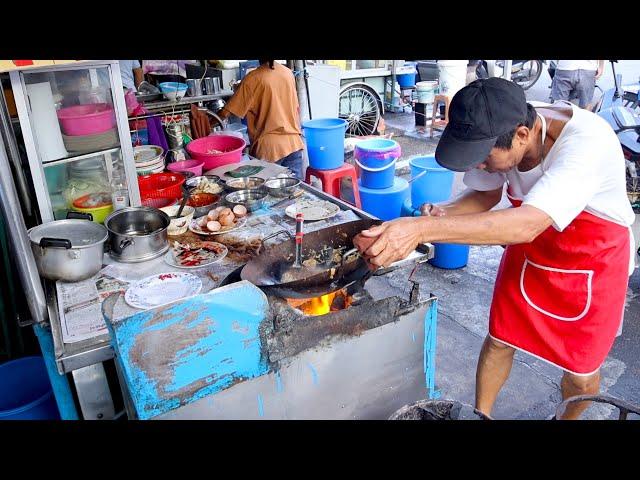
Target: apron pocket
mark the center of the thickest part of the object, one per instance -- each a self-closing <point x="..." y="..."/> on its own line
<point x="558" y="293"/>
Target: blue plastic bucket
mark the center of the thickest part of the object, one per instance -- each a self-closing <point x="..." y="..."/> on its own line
<point x="406" y="80"/>
<point x="25" y="391"/>
<point x="325" y="142"/>
<point x="376" y="159"/>
<point x="384" y="203"/>
<point x="435" y="186"/>
<point x="450" y="255"/>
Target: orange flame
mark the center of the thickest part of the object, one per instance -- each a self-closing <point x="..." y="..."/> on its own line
<point x="320" y="305"/>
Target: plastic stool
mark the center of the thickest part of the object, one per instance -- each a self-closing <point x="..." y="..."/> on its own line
<point x="331" y="179"/>
<point x="437" y="100"/>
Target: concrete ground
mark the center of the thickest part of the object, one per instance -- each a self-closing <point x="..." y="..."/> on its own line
<point x="532" y="391"/>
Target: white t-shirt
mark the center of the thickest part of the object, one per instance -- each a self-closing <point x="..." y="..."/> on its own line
<point x="584" y="170"/>
<point x="578" y="65"/>
<point x="126" y="72"/>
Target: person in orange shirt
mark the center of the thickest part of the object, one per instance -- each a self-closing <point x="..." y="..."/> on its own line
<point x="268" y="99"/>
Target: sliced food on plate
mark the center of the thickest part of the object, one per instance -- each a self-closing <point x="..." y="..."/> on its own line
<point x="195" y="254"/>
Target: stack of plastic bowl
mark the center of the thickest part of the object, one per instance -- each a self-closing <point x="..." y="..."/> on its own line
<point x="148" y="159"/>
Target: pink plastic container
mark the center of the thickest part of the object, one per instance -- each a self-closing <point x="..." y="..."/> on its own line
<point x="87" y="119"/>
<point x="193" y="166"/>
<point x="230" y="146"/>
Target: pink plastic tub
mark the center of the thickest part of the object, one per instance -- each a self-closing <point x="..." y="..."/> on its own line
<point x="193" y="166"/>
<point x="87" y="119"/>
<point x="230" y="149"/>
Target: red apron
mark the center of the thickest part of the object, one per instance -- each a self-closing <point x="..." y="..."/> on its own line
<point x="561" y="297"/>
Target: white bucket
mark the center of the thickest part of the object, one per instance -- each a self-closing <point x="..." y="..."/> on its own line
<point x="453" y="76"/>
<point x="426" y="91"/>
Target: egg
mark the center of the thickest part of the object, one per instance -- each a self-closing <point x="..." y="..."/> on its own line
<point x="240" y="210"/>
<point x="213" y="226"/>
<point x="227" y="220"/>
<point x="203" y="221"/>
<point x="213" y="215"/>
<point x="219" y="209"/>
<point x="225" y="211"/>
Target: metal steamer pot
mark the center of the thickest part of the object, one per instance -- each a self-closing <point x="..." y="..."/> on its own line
<point x="70" y="250"/>
<point x="137" y="234"/>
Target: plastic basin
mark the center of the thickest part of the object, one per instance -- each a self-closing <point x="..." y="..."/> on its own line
<point x="193" y="166"/>
<point x="87" y="119"/>
<point x="216" y="150"/>
<point x="25" y="391"/>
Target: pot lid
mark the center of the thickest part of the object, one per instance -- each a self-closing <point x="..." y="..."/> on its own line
<point x="81" y="233"/>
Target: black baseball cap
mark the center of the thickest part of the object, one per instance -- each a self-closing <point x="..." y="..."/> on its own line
<point x="478" y="114"/>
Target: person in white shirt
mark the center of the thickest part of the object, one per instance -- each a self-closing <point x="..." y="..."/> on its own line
<point x="562" y="282"/>
<point x="576" y="79"/>
<point x="131" y="73"/>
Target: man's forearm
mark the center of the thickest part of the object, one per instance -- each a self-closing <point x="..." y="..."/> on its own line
<point x="472" y="201"/>
<point x="502" y="227"/>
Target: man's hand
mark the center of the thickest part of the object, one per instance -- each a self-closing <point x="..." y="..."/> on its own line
<point x="395" y="240"/>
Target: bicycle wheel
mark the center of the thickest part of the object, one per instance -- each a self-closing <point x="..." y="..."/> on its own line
<point x="360" y="107"/>
<point x="526" y="73"/>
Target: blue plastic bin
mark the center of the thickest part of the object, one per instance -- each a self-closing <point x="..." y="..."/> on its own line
<point x="376" y="159"/>
<point x="406" y="80"/>
<point x="384" y="203"/>
<point x="325" y="142"/>
<point x="433" y="187"/>
<point x="450" y="255"/>
<point x="25" y="391"/>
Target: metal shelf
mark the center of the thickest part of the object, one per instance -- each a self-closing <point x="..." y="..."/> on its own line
<point x="81" y="156"/>
<point x="152" y="106"/>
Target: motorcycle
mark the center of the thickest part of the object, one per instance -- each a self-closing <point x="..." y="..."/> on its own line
<point x="523" y="72"/>
<point x="619" y="113"/>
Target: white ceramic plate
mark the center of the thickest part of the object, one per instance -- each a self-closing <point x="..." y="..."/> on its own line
<point x="198" y="258"/>
<point x="312" y="210"/>
<point x="195" y="228"/>
<point x="161" y="289"/>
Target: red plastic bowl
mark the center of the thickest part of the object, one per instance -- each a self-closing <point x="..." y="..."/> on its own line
<point x="87" y="119"/>
<point x="161" y="185"/>
<point x="230" y="147"/>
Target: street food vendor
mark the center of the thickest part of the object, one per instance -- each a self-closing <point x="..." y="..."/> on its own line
<point x="268" y="99"/>
<point x="561" y="285"/>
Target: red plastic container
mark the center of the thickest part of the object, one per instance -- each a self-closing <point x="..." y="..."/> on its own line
<point x="230" y="147"/>
<point x="160" y="185"/>
<point x="87" y="119"/>
<point x="158" y="202"/>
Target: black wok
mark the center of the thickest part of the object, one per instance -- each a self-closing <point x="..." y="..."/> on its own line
<point x="271" y="271"/>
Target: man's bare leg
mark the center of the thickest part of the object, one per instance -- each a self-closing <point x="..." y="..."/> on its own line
<point x="494" y="366"/>
<point x="573" y="385"/>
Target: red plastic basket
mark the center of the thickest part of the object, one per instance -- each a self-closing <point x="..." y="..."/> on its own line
<point x="161" y="185"/>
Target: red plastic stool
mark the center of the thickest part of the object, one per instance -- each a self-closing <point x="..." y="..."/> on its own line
<point x="331" y="180"/>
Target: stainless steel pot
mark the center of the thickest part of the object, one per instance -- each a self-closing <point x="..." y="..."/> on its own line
<point x="137" y="234"/>
<point x="69" y="250"/>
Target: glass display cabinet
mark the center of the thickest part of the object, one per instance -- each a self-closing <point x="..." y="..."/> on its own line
<point x="76" y="133"/>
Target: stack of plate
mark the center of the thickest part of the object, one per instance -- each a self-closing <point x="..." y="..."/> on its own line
<point x="148" y="159"/>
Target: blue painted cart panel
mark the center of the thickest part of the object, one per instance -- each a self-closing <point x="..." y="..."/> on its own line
<point x="173" y="355"/>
